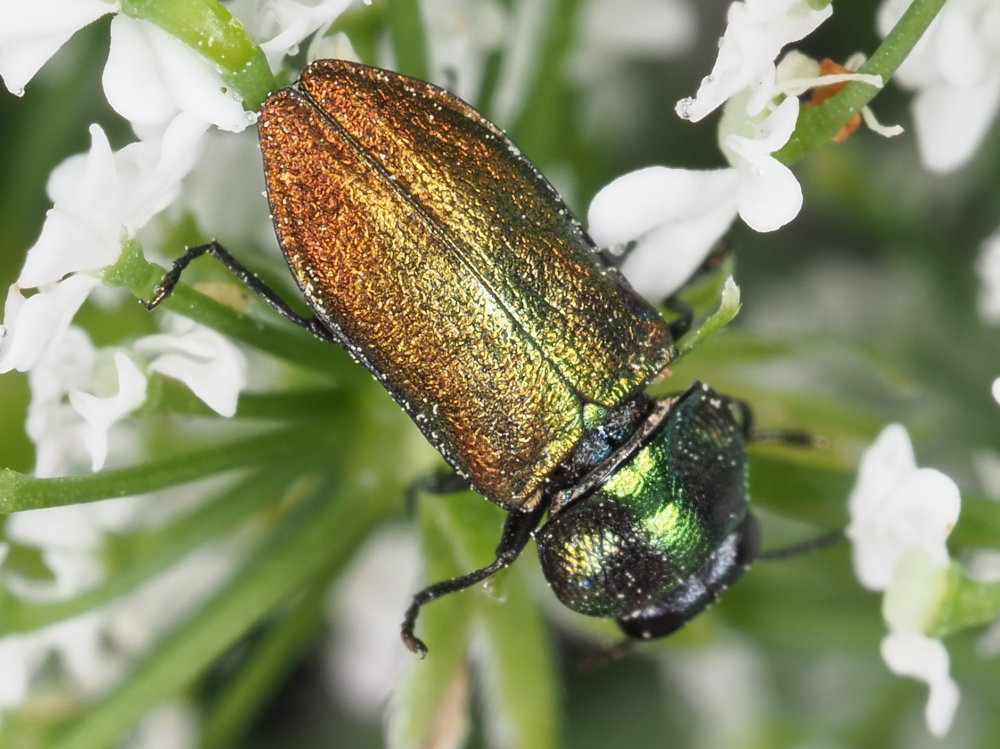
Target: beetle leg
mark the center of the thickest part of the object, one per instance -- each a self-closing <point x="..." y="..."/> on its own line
<point x="437" y="483"/>
<point x="313" y="324"/>
<point x="821" y="541"/>
<point x="681" y="324"/>
<point x="515" y="536"/>
<point x="793" y="437"/>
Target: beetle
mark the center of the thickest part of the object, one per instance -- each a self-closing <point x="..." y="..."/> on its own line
<point x="434" y="252"/>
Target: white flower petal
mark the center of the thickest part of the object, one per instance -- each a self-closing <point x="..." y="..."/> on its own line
<point x="30" y="33"/>
<point x="173" y="725"/>
<point x="675" y="216"/>
<point x="988" y="269"/>
<point x="955" y="71"/>
<point x="925" y="659"/>
<point x="285" y="23"/>
<point x="33" y="325"/>
<point x="101" y="413"/>
<point x="996" y="390"/>
<point x="52" y="424"/>
<point x="151" y="171"/>
<point x="951" y="122"/>
<point x="205" y="361"/>
<point x="756" y="32"/>
<point x="768" y="196"/>
<point x="150" y="75"/>
<point x="82" y="230"/>
<point x="20" y="657"/>
<point x="896" y="508"/>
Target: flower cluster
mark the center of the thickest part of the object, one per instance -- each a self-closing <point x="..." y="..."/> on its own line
<point x="901" y="516"/>
<point x="669" y="218"/>
<point x="954" y="72"/>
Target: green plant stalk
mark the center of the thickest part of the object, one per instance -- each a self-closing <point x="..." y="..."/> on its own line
<point x="19" y="491"/>
<point x="279" y="339"/>
<point x="536" y="127"/>
<point x="433" y="692"/>
<point x="966" y="603"/>
<point x="233" y="711"/>
<point x="170" y="543"/>
<point x="406" y="29"/>
<point x="817" y="125"/>
<point x="211" y="30"/>
<point x="519" y="667"/>
<point x="312" y="543"/>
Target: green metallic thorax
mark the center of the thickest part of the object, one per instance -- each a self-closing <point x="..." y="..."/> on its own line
<point x="657" y="519"/>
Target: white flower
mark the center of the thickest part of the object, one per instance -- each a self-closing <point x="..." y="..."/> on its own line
<point x="151" y="77"/>
<point x="213" y="368"/>
<point x="285" y="23"/>
<point x="901" y="516"/>
<point x="173" y="725"/>
<point x="99" y="198"/>
<point x="34" y="325"/>
<point x="100" y="195"/>
<point x="66" y="414"/>
<point x="896" y="507"/>
<point x="756" y="32"/>
<point x="101" y="413"/>
<point x="988" y="267"/>
<point x="954" y="71"/>
<point x="768" y="196"/>
<point x="676" y="215"/>
<point x="364" y="610"/>
<point x="996" y="389"/>
<point x="926" y="659"/>
<point x="30" y="33"/>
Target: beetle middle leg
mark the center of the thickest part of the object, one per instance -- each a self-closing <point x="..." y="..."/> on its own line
<point x="435" y="483"/>
<point x="515" y="536"/>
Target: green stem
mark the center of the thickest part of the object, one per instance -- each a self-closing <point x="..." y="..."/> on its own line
<point x="313" y="543"/>
<point x="19" y="491"/>
<point x="210" y="29"/>
<point x="246" y="691"/>
<point x="279" y="339"/>
<point x="817" y="125"/>
<point x="966" y="603"/>
<point x="406" y="28"/>
<point x="166" y="546"/>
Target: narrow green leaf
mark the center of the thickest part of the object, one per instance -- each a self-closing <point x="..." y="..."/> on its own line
<point x="406" y="28"/>
<point x="19" y="491"/>
<point x="313" y="542"/>
<point x="165" y="546"/>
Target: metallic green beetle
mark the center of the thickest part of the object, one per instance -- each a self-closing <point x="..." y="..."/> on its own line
<point x="436" y="254"/>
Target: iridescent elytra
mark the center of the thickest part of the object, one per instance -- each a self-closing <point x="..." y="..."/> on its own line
<point x="440" y="258"/>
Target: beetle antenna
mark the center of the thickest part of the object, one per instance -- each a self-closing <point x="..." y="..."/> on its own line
<point x="806" y="547"/>
<point x="605" y="656"/>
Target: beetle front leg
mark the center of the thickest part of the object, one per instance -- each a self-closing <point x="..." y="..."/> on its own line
<point x="273" y="300"/>
<point x="515" y="536"/>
